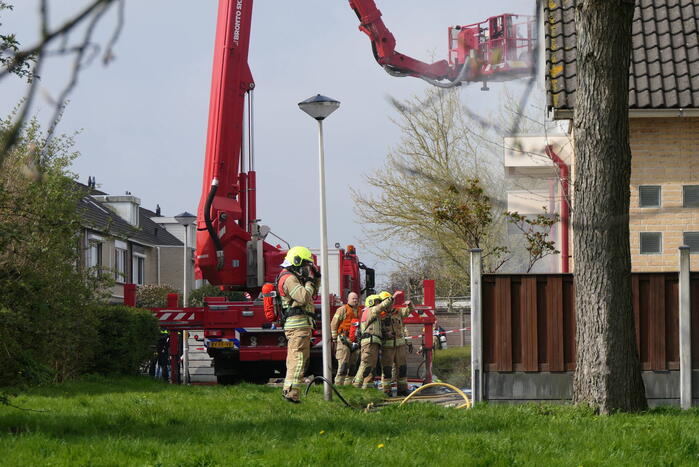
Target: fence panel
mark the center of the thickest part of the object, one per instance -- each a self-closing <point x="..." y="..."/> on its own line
<point x="529" y="321"/>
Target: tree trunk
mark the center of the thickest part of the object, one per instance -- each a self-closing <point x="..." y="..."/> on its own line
<point x="608" y="375"/>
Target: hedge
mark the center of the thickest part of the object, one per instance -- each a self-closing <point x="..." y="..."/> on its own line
<point x="126" y="339"/>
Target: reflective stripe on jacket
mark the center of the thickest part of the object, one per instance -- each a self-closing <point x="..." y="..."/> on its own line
<point x="301" y="296"/>
<point x="393" y="330"/>
<point x="370" y="322"/>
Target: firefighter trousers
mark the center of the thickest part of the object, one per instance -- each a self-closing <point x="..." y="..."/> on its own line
<point x="398" y="357"/>
<point x="365" y="373"/>
<point x="344" y="362"/>
<point x="298" y="351"/>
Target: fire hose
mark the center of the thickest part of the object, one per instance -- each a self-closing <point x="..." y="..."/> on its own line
<point x="467" y="404"/>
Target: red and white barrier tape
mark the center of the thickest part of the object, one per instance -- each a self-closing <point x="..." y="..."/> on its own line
<point x="436" y="333"/>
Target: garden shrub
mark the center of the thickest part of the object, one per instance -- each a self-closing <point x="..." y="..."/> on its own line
<point x="126" y="338"/>
<point x="196" y="297"/>
<point x="154" y="296"/>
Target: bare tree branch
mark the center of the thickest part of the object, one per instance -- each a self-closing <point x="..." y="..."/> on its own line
<point x="91" y="15"/>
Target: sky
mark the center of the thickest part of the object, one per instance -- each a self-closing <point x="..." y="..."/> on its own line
<point x="142" y="119"/>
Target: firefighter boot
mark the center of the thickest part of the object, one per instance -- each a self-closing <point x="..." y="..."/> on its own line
<point x="291" y="395"/>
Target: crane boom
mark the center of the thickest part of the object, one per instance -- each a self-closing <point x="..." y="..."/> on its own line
<point x="231" y="250"/>
<point x="384" y="46"/>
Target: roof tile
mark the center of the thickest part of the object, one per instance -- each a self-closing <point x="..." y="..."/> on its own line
<point x="664" y="71"/>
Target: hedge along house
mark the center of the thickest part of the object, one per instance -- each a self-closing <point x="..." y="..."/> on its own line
<point x="664" y="121"/>
<point x="123" y="240"/>
<point x="528" y="321"/>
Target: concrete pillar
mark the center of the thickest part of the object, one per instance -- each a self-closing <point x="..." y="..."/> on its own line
<point x="685" y="331"/>
<point x="476" y="328"/>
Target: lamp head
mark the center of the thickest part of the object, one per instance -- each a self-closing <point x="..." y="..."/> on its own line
<point x="185" y="218"/>
<point x="319" y="107"/>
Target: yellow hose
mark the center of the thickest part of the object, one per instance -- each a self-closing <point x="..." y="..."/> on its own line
<point x="465" y="405"/>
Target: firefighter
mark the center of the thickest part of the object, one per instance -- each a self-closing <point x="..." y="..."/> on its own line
<point x="340" y="332"/>
<point x="297" y="284"/>
<point x="163" y="357"/>
<point x="370" y="325"/>
<point x="394" y="350"/>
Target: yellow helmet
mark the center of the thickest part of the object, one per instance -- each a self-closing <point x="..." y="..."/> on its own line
<point x="297" y="255"/>
<point x="371" y="300"/>
<point x="384" y="295"/>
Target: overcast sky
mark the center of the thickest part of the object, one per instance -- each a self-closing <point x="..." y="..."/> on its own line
<point x="142" y="119"/>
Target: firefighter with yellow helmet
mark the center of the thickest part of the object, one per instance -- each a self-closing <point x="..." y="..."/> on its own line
<point x="370" y="337"/>
<point x="394" y="347"/>
<point x="297" y="283"/>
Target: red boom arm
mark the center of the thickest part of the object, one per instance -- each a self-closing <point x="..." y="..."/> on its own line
<point x="384" y="47"/>
<point x="229" y="252"/>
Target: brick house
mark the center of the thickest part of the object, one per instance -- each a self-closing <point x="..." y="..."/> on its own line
<point x="130" y="243"/>
<point x="664" y="121"/>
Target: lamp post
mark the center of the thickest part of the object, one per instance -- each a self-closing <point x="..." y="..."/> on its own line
<point x="320" y="107"/>
<point x="185" y="219"/>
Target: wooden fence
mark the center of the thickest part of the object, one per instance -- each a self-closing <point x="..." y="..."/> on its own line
<point x="529" y="321"/>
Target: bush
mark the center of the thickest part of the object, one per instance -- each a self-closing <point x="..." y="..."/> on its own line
<point x="18" y="367"/>
<point x="155" y="296"/>
<point x="453" y="365"/>
<point x="196" y="298"/>
<point x="126" y="339"/>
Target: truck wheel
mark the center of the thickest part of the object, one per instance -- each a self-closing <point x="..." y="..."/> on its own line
<point x="226" y="380"/>
<point x="257" y="374"/>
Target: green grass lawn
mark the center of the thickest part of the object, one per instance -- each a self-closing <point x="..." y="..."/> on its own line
<point x="136" y="421"/>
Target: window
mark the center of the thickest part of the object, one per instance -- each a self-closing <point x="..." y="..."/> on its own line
<point x="120" y="256"/>
<point x="649" y="196"/>
<point x="651" y="243"/>
<point x="690" y="196"/>
<point x="691" y="239"/>
<point x="94" y="257"/>
<point x="139" y="269"/>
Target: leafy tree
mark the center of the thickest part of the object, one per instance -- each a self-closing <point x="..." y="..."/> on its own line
<point x="44" y="326"/>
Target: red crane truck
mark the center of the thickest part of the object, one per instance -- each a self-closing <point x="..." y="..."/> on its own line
<point x="231" y="246"/>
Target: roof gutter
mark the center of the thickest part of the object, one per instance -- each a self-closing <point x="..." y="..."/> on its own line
<point x="567" y="114"/>
<point x="652" y="113"/>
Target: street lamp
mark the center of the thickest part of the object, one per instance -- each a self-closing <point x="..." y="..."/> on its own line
<point x="185" y="219"/>
<point x="319" y="107"/>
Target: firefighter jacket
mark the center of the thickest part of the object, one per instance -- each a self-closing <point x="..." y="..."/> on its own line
<point x="299" y="298"/>
<point x="370" y="321"/>
<point x="341" y="322"/>
<point x="393" y="332"/>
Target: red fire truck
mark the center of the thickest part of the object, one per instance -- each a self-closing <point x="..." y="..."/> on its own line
<point x="231" y="247"/>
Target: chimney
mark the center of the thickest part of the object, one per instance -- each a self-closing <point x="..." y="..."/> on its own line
<point x="125" y="206"/>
